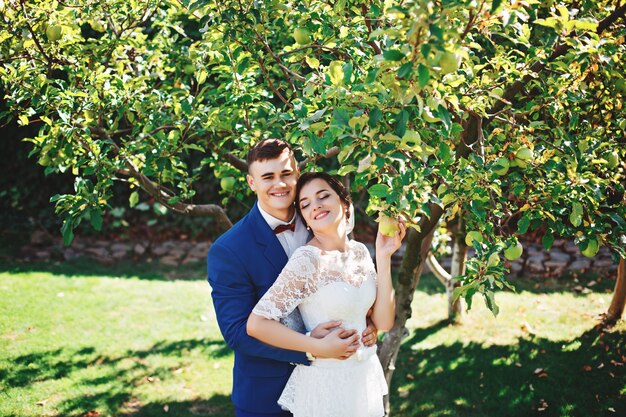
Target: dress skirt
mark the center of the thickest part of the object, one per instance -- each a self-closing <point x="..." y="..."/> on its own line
<point x="337" y="388"/>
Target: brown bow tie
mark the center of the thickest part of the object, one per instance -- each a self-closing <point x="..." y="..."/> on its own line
<point x="282" y="227"/>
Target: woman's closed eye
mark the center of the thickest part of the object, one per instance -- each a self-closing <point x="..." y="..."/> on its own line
<point x="320" y="197"/>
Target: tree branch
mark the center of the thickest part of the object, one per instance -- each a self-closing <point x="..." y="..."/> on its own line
<point x="35" y="39"/>
<point x="160" y="194"/>
<point x="329" y="154"/>
<point x="156" y="191"/>
<point x="538" y="66"/>
<point x="240" y="164"/>
<point x="435" y="267"/>
<point x="368" y="24"/>
<point x="314" y="46"/>
<point x="271" y="84"/>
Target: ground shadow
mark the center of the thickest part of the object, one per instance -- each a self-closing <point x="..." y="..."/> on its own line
<point x="575" y="283"/>
<point x="60" y="363"/>
<point x="112" y="388"/>
<point x="86" y="267"/>
<point x="216" y="406"/>
<point x="580" y="377"/>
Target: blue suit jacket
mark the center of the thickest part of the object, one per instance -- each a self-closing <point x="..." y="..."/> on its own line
<point x="242" y="264"/>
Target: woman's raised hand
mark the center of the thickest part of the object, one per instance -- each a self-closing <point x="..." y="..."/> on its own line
<point x="386" y="245"/>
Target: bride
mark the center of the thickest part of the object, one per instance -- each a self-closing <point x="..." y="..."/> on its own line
<point x="330" y="278"/>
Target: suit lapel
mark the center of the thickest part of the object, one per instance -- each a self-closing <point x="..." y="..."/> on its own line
<point x="265" y="236"/>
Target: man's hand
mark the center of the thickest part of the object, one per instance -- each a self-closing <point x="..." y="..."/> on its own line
<point x="338" y="344"/>
<point x="322" y="330"/>
<point x="369" y="337"/>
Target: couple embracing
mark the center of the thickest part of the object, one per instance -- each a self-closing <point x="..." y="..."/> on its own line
<point x="292" y="294"/>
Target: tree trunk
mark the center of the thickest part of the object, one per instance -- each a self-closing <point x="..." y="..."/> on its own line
<point x="616" y="309"/>
<point x="459" y="256"/>
<point x="417" y="249"/>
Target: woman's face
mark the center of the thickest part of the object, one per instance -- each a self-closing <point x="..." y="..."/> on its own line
<point x="321" y="207"/>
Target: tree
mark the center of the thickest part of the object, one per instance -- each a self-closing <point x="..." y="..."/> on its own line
<point x="495" y="117"/>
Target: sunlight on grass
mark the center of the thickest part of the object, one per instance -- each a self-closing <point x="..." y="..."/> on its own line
<point x="540" y="356"/>
<point x="72" y="344"/>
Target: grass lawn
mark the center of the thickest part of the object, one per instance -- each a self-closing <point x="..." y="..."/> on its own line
<point x="113" y="343"/>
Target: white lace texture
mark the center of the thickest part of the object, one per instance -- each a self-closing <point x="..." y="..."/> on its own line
<point x="355" y="391"/>
<point x="307" y="273"/>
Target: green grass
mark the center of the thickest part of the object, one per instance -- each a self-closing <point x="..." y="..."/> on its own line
<point x="75" y="344"/>
<point x="541" y="356"/>
<point x="115" y="346"/>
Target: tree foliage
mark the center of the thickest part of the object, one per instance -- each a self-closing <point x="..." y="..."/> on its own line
<point x="500" y="116"/>
<point x="505" y="114"/>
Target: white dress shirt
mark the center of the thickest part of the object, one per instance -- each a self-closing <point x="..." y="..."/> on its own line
<point x="290" y="241"/>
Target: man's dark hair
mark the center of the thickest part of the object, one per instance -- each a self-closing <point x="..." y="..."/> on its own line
<point x="333" y="182"/>
<point x="267" y="149"/>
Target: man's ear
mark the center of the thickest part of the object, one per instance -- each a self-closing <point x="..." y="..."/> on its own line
<point x="250" y="181"/>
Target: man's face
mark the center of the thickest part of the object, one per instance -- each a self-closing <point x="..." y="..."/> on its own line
<point x="274" y="182"/>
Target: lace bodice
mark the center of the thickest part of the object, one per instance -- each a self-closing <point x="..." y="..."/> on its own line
<point x="324" y="285"/>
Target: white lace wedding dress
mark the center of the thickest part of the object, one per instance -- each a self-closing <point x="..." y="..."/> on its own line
<point x="328" y="286"/>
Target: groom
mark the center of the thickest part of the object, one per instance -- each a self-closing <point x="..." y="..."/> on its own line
<point x="244" y="262"/>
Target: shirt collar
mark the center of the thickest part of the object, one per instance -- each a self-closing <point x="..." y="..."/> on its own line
<point x="273" y="221"/>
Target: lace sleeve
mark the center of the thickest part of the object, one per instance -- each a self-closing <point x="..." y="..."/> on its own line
<point x="293" y="285"/>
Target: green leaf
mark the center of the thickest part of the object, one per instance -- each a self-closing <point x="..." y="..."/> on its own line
<point x="202" y="75"/>
<point x="495" y="6"/>
<point x="547" y="240"/>
<point x="393" y="55"/>
<point x="576" y="216"/>
<point x="586" y="25"/>
<point x="437" y="32"/>
<point x="346" y="169"/>
<point x="67" y="231"/>
<point x="375" y="116"/>
<point x="159" y="209"/>
<point x="491" y="302"/>
<point x="423" y="75"/>
<point x="142" y="206"/>
<point x="243" y="65"/>
<point x="405" y="70"/>
<point x="335" y="72"/>
<point x="445" y="117"/>
<point x="56" y="197"/>
<point x="340" y="117"/>
<point x="379" y="190"/>
<point x="312" y="62"/>
<point x="618" y="220"/>
<point x="445" y="153"/>
<point x="133" y="199"/>
<point x="95" y="217"/>
<point x="401" y="121"/>
<point x="317" y="115"/>
<point x="195" y="147"/>
<point x="347" y="72"/>
<point x="549" y="22"/>
<point x="186" y="107"/>
<point x="522" y="224"/>
<point x="371" y="75"/>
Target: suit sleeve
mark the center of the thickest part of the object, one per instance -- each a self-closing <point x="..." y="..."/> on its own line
<point x="234" y="297"/>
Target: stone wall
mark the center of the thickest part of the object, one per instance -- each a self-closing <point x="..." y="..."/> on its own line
<point x="535" y="262"/>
